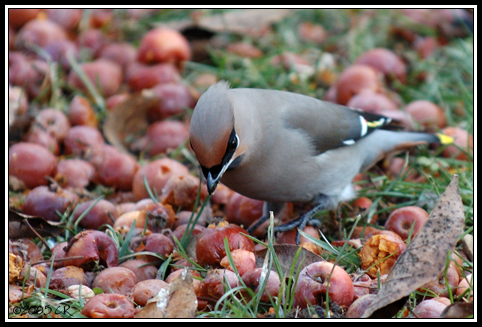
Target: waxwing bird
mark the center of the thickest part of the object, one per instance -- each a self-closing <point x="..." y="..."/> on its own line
<point x="280" y="147"/>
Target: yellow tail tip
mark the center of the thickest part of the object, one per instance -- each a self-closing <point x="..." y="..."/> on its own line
<point x="445" y="139"/>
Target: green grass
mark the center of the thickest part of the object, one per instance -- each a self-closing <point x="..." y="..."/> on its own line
<point x="448" y="83"/>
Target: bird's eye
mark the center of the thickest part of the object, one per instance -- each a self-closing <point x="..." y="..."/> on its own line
<point x="232" y="144"/>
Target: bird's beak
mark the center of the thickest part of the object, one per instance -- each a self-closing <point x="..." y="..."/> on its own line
<point x="213" y="180"/>
<point x="212" y="183"/>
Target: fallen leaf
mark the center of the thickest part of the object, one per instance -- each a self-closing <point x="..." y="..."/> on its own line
<point x="182" y="301"/>
<point x="153" y="308"/>
<point x="247" y="21"/>
<point x="468" y="246"/>
<point x="178" y="300"/>
<point x="17" y="293"/>
<point x="286" y="255"/>
<point x="18" y="126"/>
<point x="23" y="226"/>
<point x="205" y="32"/>
<point x="129" y="119"/>
<point x="458" y="310"/>
<point x="425" y="256"/>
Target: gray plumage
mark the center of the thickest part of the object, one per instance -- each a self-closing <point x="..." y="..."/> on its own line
<point x="291" y="147"/>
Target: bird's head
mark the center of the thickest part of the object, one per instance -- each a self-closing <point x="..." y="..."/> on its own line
<point x="213" y="136"/>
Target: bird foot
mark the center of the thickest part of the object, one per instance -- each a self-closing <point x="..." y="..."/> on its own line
<point x="305" y="219"/>
<point x="267" y="208"/>
<point x="299" y="223"/>
<point x="256" y="224"/>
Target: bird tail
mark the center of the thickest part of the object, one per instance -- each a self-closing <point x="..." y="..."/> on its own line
<point x="376" y="121"/>
<point x="384" y="142"/>
<point x="444" y="139"/>
<point x="424" y="137"/>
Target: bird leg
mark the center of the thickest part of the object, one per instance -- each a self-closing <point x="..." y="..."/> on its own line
<point x="306" y="218"/>
<point x="267" y="207"/>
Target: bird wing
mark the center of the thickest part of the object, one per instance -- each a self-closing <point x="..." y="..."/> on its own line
<point x="329" y="125"/>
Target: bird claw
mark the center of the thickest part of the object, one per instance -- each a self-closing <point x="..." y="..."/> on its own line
<point x="305" y="219"/>
<point x="300" y="223"/>
<point x="256" y="224"/>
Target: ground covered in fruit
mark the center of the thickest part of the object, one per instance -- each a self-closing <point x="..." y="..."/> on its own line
<point x="108" y="216"/>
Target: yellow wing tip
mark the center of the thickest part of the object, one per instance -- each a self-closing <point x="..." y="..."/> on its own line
<point x="374" y="124"/>
<point x="445" y="139"/>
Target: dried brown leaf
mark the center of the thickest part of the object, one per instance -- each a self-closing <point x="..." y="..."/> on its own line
<point x="458" y="310"/>
<point x="129" y="119"/>
<point x="286" y="255"/>
<point x="183" y="301"/>
<point x="17" y="293"/>
<point x="468" y="246"/>
<point x="19" y="125"/>
<point x="151" y="310"/>
<point x="201" y="30"/>
<point x="426" y="255"/>
<point x="176" y="301"/>
<point x="247" y="21"/>
<point x="23" y="226"/>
